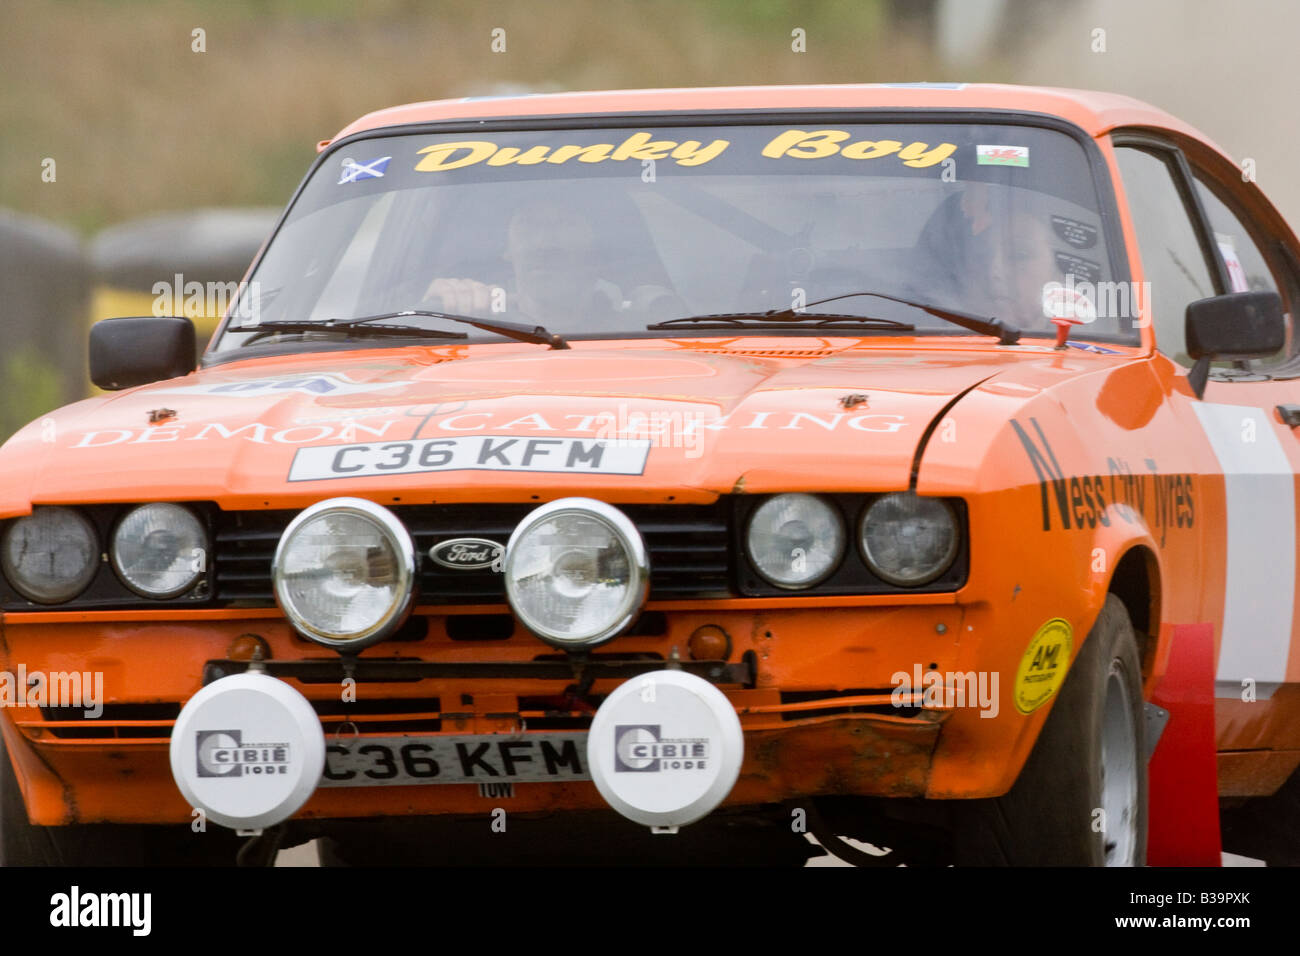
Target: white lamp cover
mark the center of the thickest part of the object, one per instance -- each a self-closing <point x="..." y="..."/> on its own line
<point x="248" y="750"/>
<point x="665" y="748"/>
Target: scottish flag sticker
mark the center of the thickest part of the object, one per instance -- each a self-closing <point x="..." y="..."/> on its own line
<point x="354" y="171"/>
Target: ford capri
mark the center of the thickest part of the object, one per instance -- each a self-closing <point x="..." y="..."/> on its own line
<point x="680" y="476"/>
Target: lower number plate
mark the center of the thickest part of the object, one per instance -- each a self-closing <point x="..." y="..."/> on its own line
<point x="482" y="758"/>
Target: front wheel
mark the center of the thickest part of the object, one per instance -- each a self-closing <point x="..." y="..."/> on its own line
<point x="1081" y="799"/>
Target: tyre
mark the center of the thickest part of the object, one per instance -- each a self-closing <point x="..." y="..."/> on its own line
<point x="1081" y="799"/>
<point x="102" y="844"/>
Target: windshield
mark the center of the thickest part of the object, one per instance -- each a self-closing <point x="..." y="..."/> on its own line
<point x="597" y="233"/>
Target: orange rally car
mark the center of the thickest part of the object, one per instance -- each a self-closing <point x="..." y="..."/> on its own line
<point x="669" y="475"/>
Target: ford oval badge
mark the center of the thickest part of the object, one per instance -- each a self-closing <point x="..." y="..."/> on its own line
<point x="467" y="554"/>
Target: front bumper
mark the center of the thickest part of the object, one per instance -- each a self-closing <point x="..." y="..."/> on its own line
<point x="811" y="686"/>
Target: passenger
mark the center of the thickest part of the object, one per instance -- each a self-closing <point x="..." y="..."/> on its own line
<point x="1006" y="261"/>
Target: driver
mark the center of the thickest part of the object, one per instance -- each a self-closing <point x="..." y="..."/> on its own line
<point x="552" y="250"/>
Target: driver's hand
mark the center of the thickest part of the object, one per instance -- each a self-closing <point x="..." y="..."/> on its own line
<point x="463" y="296"/>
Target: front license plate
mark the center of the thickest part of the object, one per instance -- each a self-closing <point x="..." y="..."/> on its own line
<point x="480" y="758"/>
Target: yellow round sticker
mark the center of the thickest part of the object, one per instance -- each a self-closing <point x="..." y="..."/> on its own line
<point x="1043" y="667"/>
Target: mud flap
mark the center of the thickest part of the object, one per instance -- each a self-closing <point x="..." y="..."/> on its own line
<point x="1183" y="824"/>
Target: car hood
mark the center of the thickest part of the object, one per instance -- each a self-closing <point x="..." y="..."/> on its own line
<point x="632" y="423"/>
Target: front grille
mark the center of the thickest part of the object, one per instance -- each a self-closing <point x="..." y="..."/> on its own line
<point x="688" y="545"/>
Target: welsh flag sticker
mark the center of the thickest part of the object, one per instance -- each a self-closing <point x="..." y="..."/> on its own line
<point x="1002" y="155"/>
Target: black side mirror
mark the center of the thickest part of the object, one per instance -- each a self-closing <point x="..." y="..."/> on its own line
<point x="139" y="350"/>
<point x="1236" y="325"/>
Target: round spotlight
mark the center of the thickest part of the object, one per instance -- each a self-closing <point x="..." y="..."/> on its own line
<point x="576" y="572"/>
<point x="344" y="572"/>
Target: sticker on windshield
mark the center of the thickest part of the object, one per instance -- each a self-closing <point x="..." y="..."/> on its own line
<point x="1078" y="234"/>
<point x="477" y="453"/>
<point x="642" y="146"/>
<point x="820" y="143"/>
<point x="1236" y="273"/>
<point x="1002" y="155"/>
<point x="354" y="172"/>
<point x="1077" y="266"/>
<point x="639" y="146"/>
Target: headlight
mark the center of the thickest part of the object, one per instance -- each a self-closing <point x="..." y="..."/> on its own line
<point x="50" y="555"/>
<point x="344" y="572"/>
<point x="576" y="572"/>
<point x="795" y="540"/>
<point x="908" y="540"/>
<point x="159" y="550"/>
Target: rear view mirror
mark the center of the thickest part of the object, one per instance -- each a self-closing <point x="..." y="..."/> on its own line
<point x="139" y="350"/>
<point x="1237" y="325"/>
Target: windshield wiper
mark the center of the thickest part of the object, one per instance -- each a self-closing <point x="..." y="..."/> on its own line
<point x="337" y="325"/>
<point x="739" y="320"/>
<point x="512" y="330"/>
<point x="791" y="318"/>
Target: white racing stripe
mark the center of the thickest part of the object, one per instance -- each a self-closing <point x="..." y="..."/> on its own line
<point x="1259" y="590"/>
